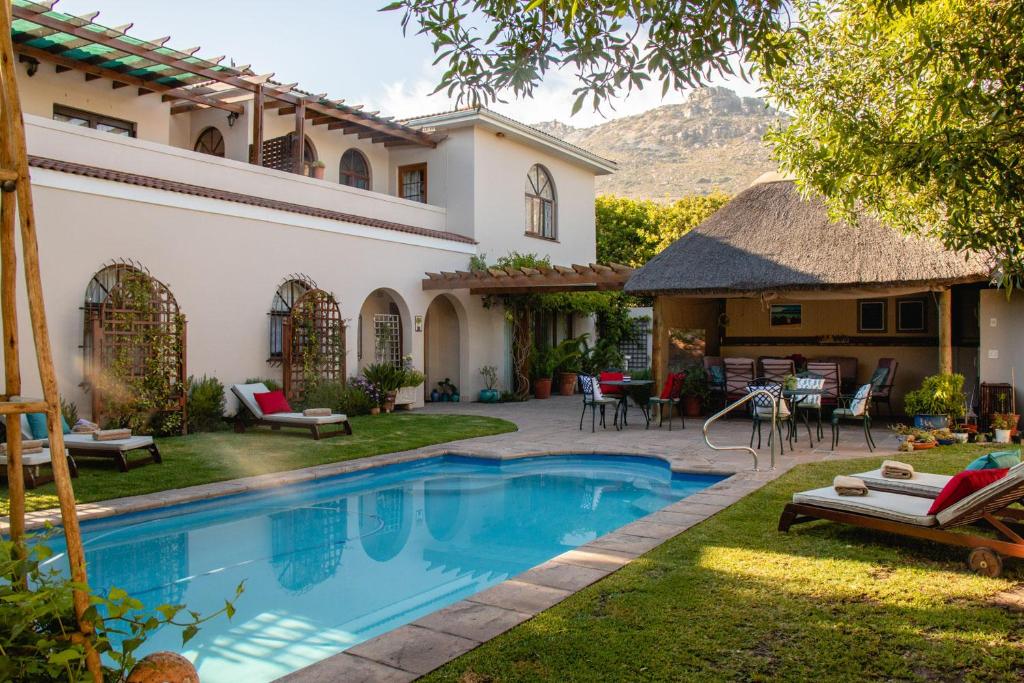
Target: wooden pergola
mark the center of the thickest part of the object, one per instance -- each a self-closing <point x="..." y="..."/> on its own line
<point x="188" y="82"/>
<point x="540" y="280"/>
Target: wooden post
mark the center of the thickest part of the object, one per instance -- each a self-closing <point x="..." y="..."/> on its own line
<point x="256" y="156"/>
<point x="12" y="131"/>
<point x="945" y="323"/>
<point x="659" y="339"/>
<point x="299" y="147"/>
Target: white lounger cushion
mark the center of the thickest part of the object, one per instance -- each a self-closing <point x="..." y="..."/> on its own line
<point x="85" y="442"/>
<point x="921" y="484"/>
<point x="31" y="459"/>
<point x="882" y="504"/>
<point x="305" y="420"/>
<point x="246" y="394"/>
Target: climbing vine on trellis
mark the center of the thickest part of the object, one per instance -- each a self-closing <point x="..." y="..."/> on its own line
<point x="314" y="343"/>
<point x="135" y="351"/>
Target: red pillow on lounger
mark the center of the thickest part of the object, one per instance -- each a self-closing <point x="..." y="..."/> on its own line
<point x="274" y="402"/>
<point x="610" y="377"/>
<point x="962" y="485"/>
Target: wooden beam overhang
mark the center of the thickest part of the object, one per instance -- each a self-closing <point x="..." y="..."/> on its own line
<point x="593" y="277"/>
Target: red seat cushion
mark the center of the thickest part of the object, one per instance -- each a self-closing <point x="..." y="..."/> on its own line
<point x="273" y="402"/>
<point x="610" y="377"/>
<point x="666" y="391"/>
<point x="673" y="386"/>
<point x="962" y="485"/>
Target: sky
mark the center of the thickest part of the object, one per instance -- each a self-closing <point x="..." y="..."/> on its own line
<point x="345" y="48"/>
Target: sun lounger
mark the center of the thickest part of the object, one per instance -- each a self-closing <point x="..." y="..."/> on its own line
<point x="32" y="464"/>
<point x="908" y="515"/>
<point x="921" y="484"/>
<point x="245" y="394"/>
<point x="85" y="446"/>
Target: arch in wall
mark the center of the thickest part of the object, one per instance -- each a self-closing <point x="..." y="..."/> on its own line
<point x="384" y="327"/>
<point x="288" y="292"/>
<point x="210" y="141"/>
<point x="443" y="341"/>
<point x="385" y="521"/>
<point x="134" y="350"/>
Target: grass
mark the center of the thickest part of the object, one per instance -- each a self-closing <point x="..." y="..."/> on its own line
<point x="204" y="458"/>
<point x="732" y="599"/>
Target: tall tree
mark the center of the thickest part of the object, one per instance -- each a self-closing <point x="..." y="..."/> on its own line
<point x="917" y="116"/>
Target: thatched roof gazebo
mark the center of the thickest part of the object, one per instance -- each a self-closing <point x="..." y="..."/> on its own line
<point x="771" y="244"/>
<point x="769" y="239"/>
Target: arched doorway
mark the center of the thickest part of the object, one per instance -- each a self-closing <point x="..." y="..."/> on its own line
<point x="442" y="343"/>
<point x="383" y="333"/>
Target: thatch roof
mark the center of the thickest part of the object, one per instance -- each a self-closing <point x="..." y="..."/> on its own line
<point x="768" y="238"/>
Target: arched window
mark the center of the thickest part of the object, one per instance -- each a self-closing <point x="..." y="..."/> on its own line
<point x="287" y="294"/>
<point x="540" y="203"/>
<point x="210" y="141"/>
<point x="355" y="170"/>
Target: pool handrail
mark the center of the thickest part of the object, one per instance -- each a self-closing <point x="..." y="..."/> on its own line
<point x="728" y="409"/>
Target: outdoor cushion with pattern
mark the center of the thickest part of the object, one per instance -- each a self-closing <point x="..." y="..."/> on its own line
<point x="962" y="485"/>
<point x="763" y="406"/>
<point x="808" y="400"/>
<point x="995" y="460"/>
<point x="717" y="375"/>
<point x="878" y="377"/>
<point x="596" y="386"/>
<point x="860" y="401"/>
<point x="272" y="402"/>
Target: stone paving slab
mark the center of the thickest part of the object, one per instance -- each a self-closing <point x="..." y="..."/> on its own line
<point x="524" y="597"/>
<point x="627" y="543"/>
<point x="350" y="669"/>
<point x="472" y="620"/>
<point x="596" y="558"/>
<point x="413" y="648"/>
<point x="569" y="577"/>
<point x="653" y="530"/>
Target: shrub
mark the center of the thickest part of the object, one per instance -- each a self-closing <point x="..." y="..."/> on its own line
<point x="205" y="404"/>
<point x="270" y="384"/>
<point x="373" y="395"/>
<point x="337" y="396"/>
<point x="385" y="376"/>
<point x="69" y="410"/>
<point x="36" y="623"/>
<point x="938" y="395"/>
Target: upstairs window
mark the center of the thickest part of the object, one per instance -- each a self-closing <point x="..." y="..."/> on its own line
<point x="412" y="182"/>
<point x="210" y="141"/>
<point x="540" y="203"/>
<point x="355" y="170"/>
<point x="85" y="119"/>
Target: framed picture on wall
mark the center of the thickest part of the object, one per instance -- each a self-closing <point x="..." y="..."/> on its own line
<point x="871" y="316"/>
<point x="786" y="315"/>
<point x="911" y="315"/>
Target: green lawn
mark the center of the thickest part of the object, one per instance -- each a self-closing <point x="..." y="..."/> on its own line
<point x="202" y="458"/>
<point x="732" y="599"/>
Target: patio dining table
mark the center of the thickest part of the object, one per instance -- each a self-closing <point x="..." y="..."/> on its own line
<point x="798" y="396"/>
<point x="628" y="385"/>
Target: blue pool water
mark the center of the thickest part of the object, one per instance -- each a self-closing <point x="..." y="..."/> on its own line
<point x="331" y="563"/>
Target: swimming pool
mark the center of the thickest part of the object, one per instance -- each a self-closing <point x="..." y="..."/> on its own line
<point x="333" y="562"/>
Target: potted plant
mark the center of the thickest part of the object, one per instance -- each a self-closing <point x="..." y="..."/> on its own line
<point x="388" y="379"/>
<point x="318" y="168"/>
<point x="543" y="369"/>
<point x="1002" y="425"/>
<point x="567" y="364"/>
<point x="490" y="393"/>
<point x="696" y="391"/>
<point x="939" y="399"/>
<point x="412" y="380"/>
<point x="1008" y="411"/>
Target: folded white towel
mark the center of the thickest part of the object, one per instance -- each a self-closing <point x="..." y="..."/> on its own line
<point x="316" y="412"/>
<point x="849" y="486"/>
<point x="27" y="446"/>
<point x="85" y="427"/>
<point x="111" y="434"/>
<point x="894" y="469"/>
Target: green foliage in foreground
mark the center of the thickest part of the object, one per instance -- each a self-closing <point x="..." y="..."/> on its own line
<point x="732" y="599"/>
<point x="915" y="115"/>
<point x="633" y="231"/>
<point x="204" y="458"/>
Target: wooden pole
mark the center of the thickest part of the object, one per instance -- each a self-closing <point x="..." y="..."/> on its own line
<point x="257" y="127"/>
<point x="299" y="148"/>
<point x="945" y="332"/>
<point x="14" y="135"/>
<point x="659" y="337"/>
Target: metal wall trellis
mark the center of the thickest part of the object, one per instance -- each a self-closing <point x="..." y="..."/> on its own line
<point x="635" y="346"/>
<point x="134" y="342"/>
<point x="387" y="338"/>
<point x="314" y="343"/>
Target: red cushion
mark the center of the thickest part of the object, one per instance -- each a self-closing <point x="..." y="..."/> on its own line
<point x="673" y="385"/>
<point x="272" y="402"/>
<point x="611" y="377"/>
<point x="666" y="391"/>
<point x="962" y="485"/>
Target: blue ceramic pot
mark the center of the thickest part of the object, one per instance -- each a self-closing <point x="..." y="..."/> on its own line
<point x="931" y="421"/>
<point x="435" y="396"/>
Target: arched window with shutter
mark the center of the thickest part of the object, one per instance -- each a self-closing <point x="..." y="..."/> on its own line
<point x="211" y="142"/>
<point x="540" y="203"/>
<point x="355" y="170"/>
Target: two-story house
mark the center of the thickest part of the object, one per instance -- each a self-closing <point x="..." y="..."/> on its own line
<point x="239" y="193"/>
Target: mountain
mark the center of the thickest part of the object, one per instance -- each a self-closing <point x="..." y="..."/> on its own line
<point x="713" y="141"/>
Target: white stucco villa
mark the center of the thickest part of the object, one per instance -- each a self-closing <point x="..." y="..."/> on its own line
<point x="203" y="175"/>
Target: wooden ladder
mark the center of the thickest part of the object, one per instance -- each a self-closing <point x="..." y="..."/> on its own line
<point x="16" y="198"/>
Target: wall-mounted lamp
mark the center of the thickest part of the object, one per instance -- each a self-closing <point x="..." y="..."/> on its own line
<point x="418" y="320"/>
<point x="232" y="117"/>
<point x="31" y="64"/>
<point x="499" y="134"/>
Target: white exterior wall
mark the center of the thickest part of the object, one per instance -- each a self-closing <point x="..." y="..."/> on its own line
<point x="1002" y="326"/>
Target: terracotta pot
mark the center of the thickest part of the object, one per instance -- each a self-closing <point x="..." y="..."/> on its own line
<point x="375" y="410"/>
<point x="389" y="401"/>
<point x="691" y="406"/>
<point x="542" y="387"/>
<point x="567" y="383"/>
<point x="163" y="666"/>
<point x="318" y="172"/>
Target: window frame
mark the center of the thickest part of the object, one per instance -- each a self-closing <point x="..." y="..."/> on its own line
<point x="885" y="315"/>
<point x="553" y="202"/>
<point x="223" y="142"/>
<point x="95" y="119"/>
<point x="343" y="174"/>
<point x="900" y="326"/>
<point x="422" y="166"/>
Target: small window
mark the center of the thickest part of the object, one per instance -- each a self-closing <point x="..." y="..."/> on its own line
<point x="911" y="315"/>
<point x="540" y="203"/>
<point x="355" y="170"/>
<point x="211" y="142"/>
<point x="871" y="316"/>
<point x="412" y="182"/>
<point x="85" y="119"/>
